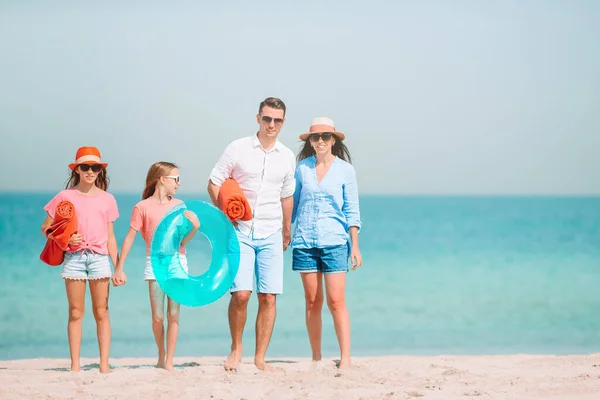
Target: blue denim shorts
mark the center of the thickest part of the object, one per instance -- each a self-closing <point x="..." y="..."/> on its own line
<point x="328" y="260"/>
<point x="86" y="265"/>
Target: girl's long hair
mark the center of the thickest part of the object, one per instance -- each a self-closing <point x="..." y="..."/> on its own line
<point x="155" y="172"/>
<point x="339" y="150"/>
<point x="102" y="180"/>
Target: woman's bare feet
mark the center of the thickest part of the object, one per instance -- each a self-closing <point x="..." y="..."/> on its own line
<point x="75" y="367"/>
<point x="233" y="360"/>
<point x="169" y="366"/>
<point x="161" y="361"/>
<point x="344" y="363"/>
<point x="104" y="368"/>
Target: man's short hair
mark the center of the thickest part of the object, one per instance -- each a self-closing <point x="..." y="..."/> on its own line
<point x="272" y="102"/>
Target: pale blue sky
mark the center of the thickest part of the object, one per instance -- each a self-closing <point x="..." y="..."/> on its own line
<point x="435" y="97"/>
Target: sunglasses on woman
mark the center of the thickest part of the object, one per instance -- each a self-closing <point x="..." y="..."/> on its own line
<point x="94" y="167"/>
<point x="314" y="137"/>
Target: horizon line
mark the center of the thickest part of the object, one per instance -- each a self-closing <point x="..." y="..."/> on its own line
<point x="368" y="194"/>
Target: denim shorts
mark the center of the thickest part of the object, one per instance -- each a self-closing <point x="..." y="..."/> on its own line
<point x="328" y="260"/>
<point x="263" y="258"/>
<point x="84" y="265"/>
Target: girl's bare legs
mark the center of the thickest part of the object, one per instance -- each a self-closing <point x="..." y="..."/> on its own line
<point x="76" y="297"/>
<point x="172" y="332"/>
<point x="99" y="289"/>
<point x="335" y="285"/>
<point x="157" y="304"/>
<point x="313" y="294"/>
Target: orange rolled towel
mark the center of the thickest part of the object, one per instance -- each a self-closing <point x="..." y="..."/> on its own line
<point x="65" y="225"/>
<point x="233" y="202"/>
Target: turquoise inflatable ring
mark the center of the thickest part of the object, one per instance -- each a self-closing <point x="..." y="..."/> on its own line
<point x="173" y="279"/>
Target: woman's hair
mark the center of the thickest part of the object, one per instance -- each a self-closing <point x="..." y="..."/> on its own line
<point x="102" y="180"/>
<point x="339" y="150"/>
<point x="155" y="172"/>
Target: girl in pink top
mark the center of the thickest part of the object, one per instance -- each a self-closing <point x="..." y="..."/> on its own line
<point x="90" y="248"/>
<point x="162" y="183"/>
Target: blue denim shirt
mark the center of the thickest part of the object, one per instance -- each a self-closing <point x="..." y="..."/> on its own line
<point x="324" y="212"/>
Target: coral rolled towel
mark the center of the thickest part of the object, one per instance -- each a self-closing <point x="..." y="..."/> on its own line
<point x="65" y="225"/>
<point x="233" y="202"/>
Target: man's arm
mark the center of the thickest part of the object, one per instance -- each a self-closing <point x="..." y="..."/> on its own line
<point x="213" y="192"/>
<point x="287" y="204"/>
<point x="221" y="171"/>
<point x="287" y="201"/>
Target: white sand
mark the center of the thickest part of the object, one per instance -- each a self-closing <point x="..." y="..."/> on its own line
<point x="396" y="377"/>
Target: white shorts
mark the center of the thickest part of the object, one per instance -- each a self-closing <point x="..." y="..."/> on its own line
<point x="174" y="270"/>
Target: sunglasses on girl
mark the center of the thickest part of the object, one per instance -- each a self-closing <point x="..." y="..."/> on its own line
<point x="175" y="177"/>
<point x="314" y="137"/>
<point x="94" y="167"/>
<point x="268" y="120"/>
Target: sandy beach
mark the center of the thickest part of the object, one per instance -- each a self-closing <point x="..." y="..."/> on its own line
<point x="395" y="377"/>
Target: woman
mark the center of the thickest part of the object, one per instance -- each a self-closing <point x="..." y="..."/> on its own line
<point x="327" y="217"/>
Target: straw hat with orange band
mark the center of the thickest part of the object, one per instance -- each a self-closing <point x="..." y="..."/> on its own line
<point x="322" y="125"/>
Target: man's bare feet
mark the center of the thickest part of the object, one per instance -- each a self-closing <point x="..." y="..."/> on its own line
<point x="75" y="367"/>
<point x="344" y="363"/>
<point x="233" y="360"/>
<point x="104" y="368"/>
<point x="263" y="366"/>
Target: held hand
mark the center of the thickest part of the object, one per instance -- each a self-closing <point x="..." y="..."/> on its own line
<point x="356" y="258"/>
<point x="119" y="277"/>
<point x="193" y="218"/>
<point x="286" y="239"/>
<point x="75" y="240"/>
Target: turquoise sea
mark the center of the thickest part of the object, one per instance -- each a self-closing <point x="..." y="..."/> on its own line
<point x="442" y="275"/>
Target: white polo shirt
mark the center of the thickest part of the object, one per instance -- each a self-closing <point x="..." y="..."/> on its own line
<point x="265" y="177"/>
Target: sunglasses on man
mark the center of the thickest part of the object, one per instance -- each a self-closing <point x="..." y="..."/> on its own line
<point x="326" y="136"/>
<point x="268" y="120"/>
<point x="93" y="167"/>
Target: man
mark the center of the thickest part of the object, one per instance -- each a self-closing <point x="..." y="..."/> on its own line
<point x="264" y="169"/>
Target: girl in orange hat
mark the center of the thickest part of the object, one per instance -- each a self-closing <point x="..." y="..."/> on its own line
<point x="162" y="182"/>
<point x="90" y="250"/>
